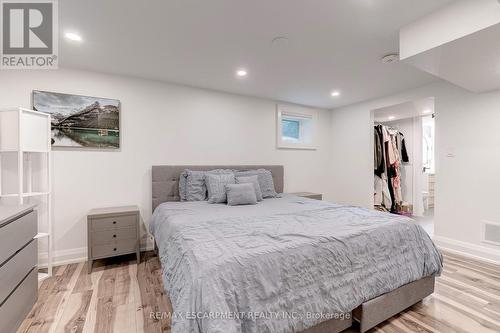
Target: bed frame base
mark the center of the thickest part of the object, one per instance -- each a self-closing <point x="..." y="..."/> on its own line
<point x="330" y="326"/>
<point x="379" y="309"/>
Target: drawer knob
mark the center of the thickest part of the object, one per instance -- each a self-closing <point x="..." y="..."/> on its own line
<point x="114" y="236"/>
<point x="114" y="222"/>
<point x="114" y="249"/>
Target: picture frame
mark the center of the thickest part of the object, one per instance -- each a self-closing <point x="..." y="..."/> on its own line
<point x="79" y="121"/>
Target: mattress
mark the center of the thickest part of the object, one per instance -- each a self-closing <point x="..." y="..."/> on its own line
<point x="283" y="265"/>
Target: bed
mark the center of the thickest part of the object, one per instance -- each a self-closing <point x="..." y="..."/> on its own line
<point x="287" y="264"/>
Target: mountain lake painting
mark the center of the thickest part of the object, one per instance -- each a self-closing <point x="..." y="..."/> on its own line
<point x="81" y="121"/>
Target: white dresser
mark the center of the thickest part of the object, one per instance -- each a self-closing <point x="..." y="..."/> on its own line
<point x="18" y="265"/>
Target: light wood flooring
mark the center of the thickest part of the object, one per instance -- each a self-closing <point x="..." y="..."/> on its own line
<point x="119" y="297"/>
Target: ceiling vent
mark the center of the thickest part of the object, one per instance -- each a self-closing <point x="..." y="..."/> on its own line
<point x="390" y="58"/>
<point x="281" y="41"/>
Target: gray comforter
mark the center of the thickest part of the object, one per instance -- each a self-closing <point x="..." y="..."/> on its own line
<point x="282" y="265"/>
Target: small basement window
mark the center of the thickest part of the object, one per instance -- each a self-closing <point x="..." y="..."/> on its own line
<point x="295" y="130"/>
<point x="290" y="129"/>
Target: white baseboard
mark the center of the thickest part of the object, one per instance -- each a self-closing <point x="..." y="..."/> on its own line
<point x="72" y="256"/>
<point x="64" y="257"/>
<point x="470" y="250"/>
<point x="478" y="252"/>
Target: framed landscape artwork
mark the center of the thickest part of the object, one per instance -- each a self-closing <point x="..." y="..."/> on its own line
<point x="81" y="121"/>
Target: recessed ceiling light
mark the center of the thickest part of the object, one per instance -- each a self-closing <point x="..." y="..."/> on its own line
<point x="73" y="36"/>
<point x="241" y="72"/>
<point x="392" y="117"/>
<point x="426" y="111"/>
<point x="335" y="93"/>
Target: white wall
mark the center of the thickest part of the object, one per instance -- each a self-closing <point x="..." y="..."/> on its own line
<point x="161" y="124"/>
<point x="467" y="127"/>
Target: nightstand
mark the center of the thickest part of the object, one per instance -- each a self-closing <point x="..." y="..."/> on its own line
<point x="113" y="232"/>
<point x="309" y="195"/>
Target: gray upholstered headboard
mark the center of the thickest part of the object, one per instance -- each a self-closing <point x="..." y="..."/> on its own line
<point x="165" y="178"/>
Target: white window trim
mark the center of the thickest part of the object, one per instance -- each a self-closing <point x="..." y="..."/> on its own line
<point x="283" y="112"/>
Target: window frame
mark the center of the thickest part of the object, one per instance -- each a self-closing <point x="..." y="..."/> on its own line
<point x="292" y="113"/>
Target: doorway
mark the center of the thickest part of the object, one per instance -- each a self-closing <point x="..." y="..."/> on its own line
<point x="404" y="160"/>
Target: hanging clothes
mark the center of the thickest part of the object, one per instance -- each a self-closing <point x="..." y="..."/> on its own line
<point x="382" y="190"/>
<point x="382" y="193"/>
<point x="389" y="153"/>
<point x="378" y="158"/>
<point x="402" y="148"/>
<point x="379" y="151"/>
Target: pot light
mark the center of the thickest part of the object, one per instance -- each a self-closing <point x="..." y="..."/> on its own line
<point x="392" y="117"/>
<point x="73" y="36"/>
<point x="335" y="93"/>
<point x="241" y="72"/>
<point x="426" y="111"/>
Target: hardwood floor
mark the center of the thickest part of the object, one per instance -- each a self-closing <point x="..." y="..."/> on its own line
<point x="120" y="296"/>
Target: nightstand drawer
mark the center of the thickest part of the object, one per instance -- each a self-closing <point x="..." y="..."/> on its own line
<point x="117" y="235"/>
<point x="113" y="231"/>
<point x="110" y="223"/>
<point x="114" y="249"/>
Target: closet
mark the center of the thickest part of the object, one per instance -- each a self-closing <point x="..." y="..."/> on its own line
<point x="403" y="159"/>
<point x="390" y="153"/>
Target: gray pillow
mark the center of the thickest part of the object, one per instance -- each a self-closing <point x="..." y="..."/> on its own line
<point x="254" y="180"/>
<point x="241" y="194"/>
<point x="195" y="183"/>
<point x="195" y="186"/>
<point x="182" y="185"/>
<point x="266" y="182"/>
<point x="216" y="186"/>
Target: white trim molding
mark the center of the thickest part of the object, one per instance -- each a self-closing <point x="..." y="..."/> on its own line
<point x="64" y="257"/>
<point x="470" y="250"/>
<point x="77" y="255"/>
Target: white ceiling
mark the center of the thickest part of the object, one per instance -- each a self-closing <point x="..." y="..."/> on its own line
<point x="333" y="44"/>
<point x="405" y="110"/>
<point x="471" y="62"/>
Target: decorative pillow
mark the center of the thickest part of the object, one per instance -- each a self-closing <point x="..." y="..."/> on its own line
<point x="182" y="185"/>
<point x="195" y="183"/>
<point x="241" y="194"/>
<point x="195" y="186"/>
<point x="254" y="180"/>
<point x="266" y="182"/>
<point x="216" y="186"/>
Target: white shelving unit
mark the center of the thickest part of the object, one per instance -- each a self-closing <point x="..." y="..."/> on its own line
<point x="25" y="169"/>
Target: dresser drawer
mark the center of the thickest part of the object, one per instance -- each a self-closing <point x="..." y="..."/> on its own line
<point x="114" y="249"/>
<point x="15" y="269"/>
<point x="111" y="236"/>
<point x="109" y="223"/>
<point x="19" y="303"/>
<point x="16" y="234"/>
